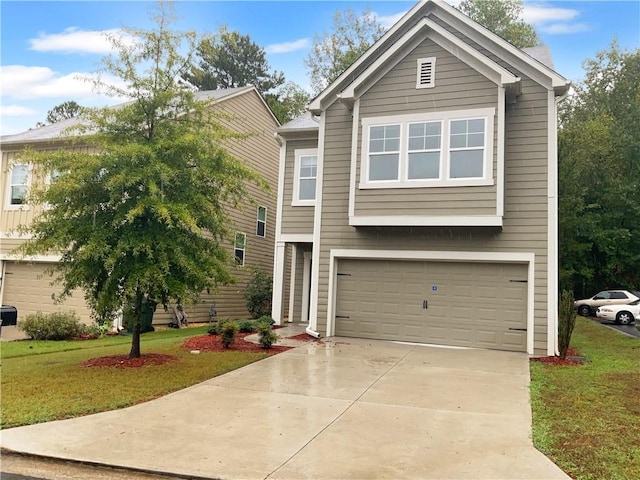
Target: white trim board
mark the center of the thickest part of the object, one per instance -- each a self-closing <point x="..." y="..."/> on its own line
<point x="447" y="256"/>
<point x="424" y="221"/>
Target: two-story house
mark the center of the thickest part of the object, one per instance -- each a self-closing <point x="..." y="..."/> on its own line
<point x="25" y="284"/>
<point x="419" y="192"/>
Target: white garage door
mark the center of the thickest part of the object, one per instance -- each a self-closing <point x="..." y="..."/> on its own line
<point x="28" y="288"/>
<point x="448" y="303"/>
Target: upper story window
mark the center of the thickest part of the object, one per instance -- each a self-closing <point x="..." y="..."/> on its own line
<point x="18" y="185"/>
<point x="240" y="247"/>
<point x="434" y="149"/>
<point x="306" y="174"/>
<point x="261" y="223"/>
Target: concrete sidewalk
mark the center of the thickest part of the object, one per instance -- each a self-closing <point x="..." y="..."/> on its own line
<point x="336" y="409"/>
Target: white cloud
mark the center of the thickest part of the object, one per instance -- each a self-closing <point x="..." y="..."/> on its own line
<point x="387" y="21"/>
<point x="564" y="28"/>
<point x="74" y="40"/>
<point x="287" y="47"/>
<point x="28" y="83"/>
<point x="539" y="14"/>
<point x="16" y="111"/>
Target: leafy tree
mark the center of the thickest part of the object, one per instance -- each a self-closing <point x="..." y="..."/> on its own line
<point x="288" y="102"/>
<point x="232" y="60"/>
<point x="63" y="111"/>
<point x="334" y="51"/>
<point x="599" y="175"/>
<point x="140" y="217"/>
<point x="504" y="18"/>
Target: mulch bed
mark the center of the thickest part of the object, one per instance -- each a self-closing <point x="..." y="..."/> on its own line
<point x="305" y="337"/>
<point x="573" y="358"/>
<point x="123" y="361"/>
<point x="213" y="343"/>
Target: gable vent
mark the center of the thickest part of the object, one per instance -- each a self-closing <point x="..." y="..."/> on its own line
<point x="426" y="73"/>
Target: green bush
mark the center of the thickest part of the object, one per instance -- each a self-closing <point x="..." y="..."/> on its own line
<point x="266" y="336"/>
<point x="228" y="333"/>
<point x="258" y="293"/>
<point x="52" y="326"/>
<point x="266" y="319"/>
<point x="214" y="329"/>
<point x="247" y="326"/>
<point x="566" y="322"/>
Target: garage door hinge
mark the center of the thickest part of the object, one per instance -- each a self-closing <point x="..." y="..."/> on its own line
<point x="519" y="281"/>
<point x="519" y="329"/>
<point x="344" y="274"/>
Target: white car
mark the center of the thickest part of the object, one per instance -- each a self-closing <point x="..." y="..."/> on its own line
<point x="620" y="314"/>
<point x="587" y="306"/>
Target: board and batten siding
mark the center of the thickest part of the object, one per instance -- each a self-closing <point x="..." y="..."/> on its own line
<point x="525" y="216"/>
<point x="295" y="219"/>
<point x="457" y="87"/>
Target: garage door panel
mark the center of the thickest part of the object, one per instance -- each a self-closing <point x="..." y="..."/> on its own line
<point x="469" y="304"/>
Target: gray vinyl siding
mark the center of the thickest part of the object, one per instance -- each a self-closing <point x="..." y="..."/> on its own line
<point x="457" y="87"/>
<point x="525" y="215"/>
<point x="298" y="219"/>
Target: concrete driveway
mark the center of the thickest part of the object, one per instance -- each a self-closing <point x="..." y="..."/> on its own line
<point x="338" y="409"/>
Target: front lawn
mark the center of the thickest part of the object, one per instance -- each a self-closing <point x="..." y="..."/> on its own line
<point x="587" y="418"/>
<point x="45" y="380"/>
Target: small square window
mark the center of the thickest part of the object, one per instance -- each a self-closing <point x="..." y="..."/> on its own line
<point x="261" y="225"/>
<point x="240" y="247"/>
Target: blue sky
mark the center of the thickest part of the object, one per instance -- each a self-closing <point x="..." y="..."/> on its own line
<point x="44" y="46"/>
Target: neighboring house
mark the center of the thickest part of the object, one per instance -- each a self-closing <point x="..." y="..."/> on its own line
<point x="419" y="192"/>
<point x="27" y="287"/>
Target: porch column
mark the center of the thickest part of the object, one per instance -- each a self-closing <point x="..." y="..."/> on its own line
<point x="278" y="282"/>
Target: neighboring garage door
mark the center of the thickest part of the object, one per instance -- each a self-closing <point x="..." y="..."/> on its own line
<point x="448" y="303"/>
<point x="29" y="289"/>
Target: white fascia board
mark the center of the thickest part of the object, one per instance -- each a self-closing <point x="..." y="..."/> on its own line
<point x="448" y="256"/>
<point x="330" y="91"/>
<point x="557" y="80"/>
<point x="30" y="258"/>
<point x="425" y="221"/>
<point x="296" y="237"/>
<point x="446" y="40"/>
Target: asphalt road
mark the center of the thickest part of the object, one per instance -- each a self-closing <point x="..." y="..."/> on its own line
<point x="628" y="329"/>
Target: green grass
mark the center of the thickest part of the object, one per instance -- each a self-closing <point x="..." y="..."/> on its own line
<point x="587" y="418"/>
<point x="44" y="380"/>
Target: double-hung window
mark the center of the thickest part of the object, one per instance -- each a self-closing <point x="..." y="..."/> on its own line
<point x="452" y="148"/>
<point x="261" y="224"/>
<point x="306" y="174"/>
<point x="18" y="184"/>
<point x="240" y="247"/>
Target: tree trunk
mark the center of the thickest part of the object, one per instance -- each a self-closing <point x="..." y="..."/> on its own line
<point x="135" y="339"/>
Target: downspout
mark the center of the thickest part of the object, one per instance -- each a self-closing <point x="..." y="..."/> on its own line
<point x="3" y="268"/>
<point x="313" y="333"/>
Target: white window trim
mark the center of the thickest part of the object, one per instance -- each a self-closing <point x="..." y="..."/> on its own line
<point x="432" y="83"/>
<point x="295" y="201"/>
<point x="258" y="221"/>
<point x="244" y="250"/>
<point x="7" y="203"/>
<point x="445" y="117"/>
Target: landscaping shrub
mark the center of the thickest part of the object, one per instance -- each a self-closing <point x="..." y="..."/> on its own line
<point x="266" y="336"/>
<point x="258" y="293"/>
<point x="52" y="326"/>
<point x="247" y="326"/>
<point x="566" y="322"/>
<point x="214" y="329"/>
<point x="228" y="333"/>
<point x="267" y="320"/>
